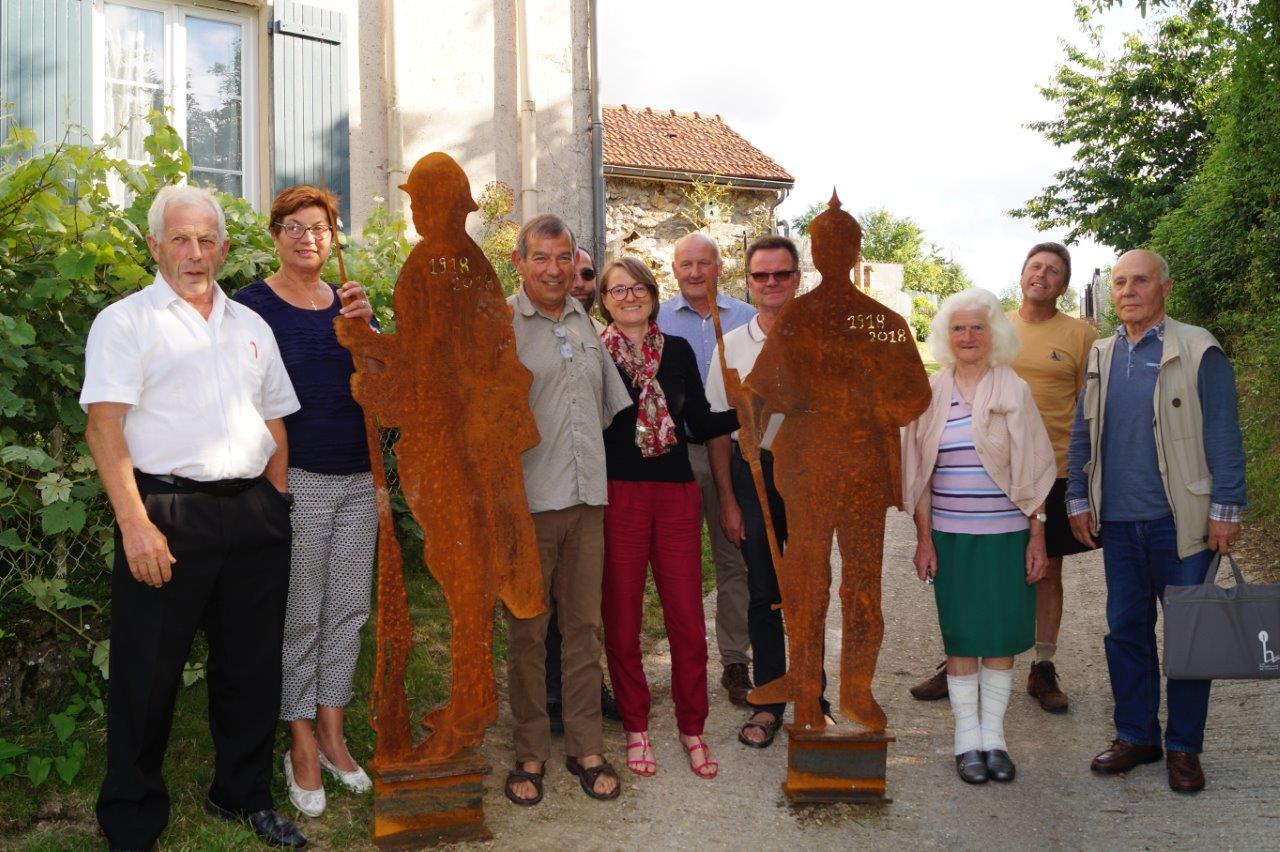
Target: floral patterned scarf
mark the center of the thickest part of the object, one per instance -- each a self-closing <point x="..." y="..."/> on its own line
<point x="655" y="430"/>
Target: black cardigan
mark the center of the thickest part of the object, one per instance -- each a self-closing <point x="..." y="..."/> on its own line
<point x="686" y="400"/>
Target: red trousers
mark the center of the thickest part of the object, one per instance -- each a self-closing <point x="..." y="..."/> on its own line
<point x="658" y="524"/>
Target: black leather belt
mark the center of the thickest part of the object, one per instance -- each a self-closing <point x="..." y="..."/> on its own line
<point x="220" y="487"/>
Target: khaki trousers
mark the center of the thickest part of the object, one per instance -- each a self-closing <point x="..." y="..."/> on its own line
<point x="571" y="549"/>
<point x="732" y="594"/>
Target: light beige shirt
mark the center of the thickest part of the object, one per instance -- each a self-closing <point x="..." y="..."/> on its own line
<point x="575" y="394"/>
<point x="741" y="348"/>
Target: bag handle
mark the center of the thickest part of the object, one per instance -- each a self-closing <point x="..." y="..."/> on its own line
<point x="1212" y="577"/>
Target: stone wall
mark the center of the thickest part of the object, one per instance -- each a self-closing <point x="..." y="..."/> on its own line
<point x="642" y="219"/>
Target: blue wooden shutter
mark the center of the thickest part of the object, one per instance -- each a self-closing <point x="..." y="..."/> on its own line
<point x="45" y="54"/>
<point x="310" y="136"/>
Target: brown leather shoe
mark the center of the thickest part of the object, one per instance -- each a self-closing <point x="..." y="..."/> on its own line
<point x="1042" y="685"/>
<point x="737" y="682"/>
<point x="1185" y="774"/>
<point x="932" y="688"/>
<point x="1123" y="756"/>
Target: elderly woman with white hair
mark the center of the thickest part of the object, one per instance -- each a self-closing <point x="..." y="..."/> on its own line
<point x="977" y="466"/>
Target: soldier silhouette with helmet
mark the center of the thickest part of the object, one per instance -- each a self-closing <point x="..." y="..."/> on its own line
<point x="845" y="372"/>
<point x="449" y="380"/>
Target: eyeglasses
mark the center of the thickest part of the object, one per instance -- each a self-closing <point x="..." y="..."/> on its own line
<point x="620" y="292"/>
<point x="783" y="275"/>
<point x="566" y="348"/>
<point x="587" y="274"/>
<point x="295" y="230"/>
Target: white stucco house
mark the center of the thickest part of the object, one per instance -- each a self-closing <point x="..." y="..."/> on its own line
<point x="267" y="93"/>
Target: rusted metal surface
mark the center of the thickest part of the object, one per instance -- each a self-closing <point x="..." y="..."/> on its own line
<point x="431" y="806"/>
<point x="449" y="380"/>
<point x="845" y="372"/>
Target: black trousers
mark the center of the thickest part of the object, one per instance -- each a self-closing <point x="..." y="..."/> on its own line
<point x="231" y="579"/>
<point x="764" y="622"/>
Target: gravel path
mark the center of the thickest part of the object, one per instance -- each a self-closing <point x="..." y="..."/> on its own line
<point x="1056" y="802"/>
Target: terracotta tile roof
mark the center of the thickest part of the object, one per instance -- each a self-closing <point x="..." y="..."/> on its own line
<point x="683" y="142"/>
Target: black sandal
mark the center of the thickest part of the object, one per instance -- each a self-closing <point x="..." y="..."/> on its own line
<point x="515" y="776"/>
<point x="770" y="730"/>
<point x="587" y="776"/>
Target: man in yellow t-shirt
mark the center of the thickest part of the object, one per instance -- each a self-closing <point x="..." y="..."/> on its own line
<point x="1051" y="360"/>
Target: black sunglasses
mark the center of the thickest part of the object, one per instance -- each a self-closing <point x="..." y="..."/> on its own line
<point x="587" y="274"/>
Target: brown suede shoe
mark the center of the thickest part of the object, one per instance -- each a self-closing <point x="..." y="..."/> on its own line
<point x="932" y="688"/>
<point x="1123" y="756"/>
<point x="1042" y="685"/>
<point x="737" y="682"/>
<point x="1185" y="774"/>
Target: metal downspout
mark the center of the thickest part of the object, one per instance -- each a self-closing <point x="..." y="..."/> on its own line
<point x="528" y="118"/>
<point x="597" y="143"/>
<point x="395" y="140"/>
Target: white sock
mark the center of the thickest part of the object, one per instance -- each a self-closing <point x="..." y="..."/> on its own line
<point x="963" y="692"/>
<point x="1044" y="651"/>
<point x="996" y="685"/>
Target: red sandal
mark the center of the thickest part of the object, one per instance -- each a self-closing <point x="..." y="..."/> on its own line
<point x="643" y="766"/>
<point x="709" y="767"/>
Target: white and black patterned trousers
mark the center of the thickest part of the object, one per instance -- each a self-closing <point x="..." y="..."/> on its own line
<point x="335" y="531"/>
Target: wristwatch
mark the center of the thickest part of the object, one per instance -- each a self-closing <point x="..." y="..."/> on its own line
<point x="1041" y="517"/>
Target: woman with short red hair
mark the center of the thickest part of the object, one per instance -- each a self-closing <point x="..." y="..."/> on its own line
<point x="334" y="516"/>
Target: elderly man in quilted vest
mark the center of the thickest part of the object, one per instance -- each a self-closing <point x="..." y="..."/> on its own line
<point x="1156" y="472"/>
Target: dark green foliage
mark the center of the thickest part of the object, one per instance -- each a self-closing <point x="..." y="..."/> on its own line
<point x="1138" y="124"/>
<point x="1179" y="151"/>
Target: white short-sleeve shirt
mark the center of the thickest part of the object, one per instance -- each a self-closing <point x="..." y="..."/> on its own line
<point x="741" y="348"/>
<point x="201" y="390"/>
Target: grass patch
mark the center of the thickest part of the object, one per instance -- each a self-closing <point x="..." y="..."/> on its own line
<point x="57" y="816"/>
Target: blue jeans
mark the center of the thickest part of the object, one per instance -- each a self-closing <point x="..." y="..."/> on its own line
<point x="1141" y="558"/>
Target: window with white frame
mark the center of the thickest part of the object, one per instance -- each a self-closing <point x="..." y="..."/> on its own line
<point x="195" y="60"/>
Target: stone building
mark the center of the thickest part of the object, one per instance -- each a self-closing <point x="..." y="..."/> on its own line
<point x="654" y="164"/>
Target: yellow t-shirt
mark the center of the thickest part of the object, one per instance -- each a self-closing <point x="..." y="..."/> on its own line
<point x="1052" y="361"/>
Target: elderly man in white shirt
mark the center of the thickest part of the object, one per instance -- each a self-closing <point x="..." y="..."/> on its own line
<point x="185" y="392"/>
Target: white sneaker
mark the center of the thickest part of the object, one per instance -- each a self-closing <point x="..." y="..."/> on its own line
<point x="357" y="780"/>
<point x="309" y="802"/>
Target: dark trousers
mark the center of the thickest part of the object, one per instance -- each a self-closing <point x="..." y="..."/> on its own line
<point x="1140" y="559"/>
<point x="231" y="579"/>
<point x="764" y="621"/>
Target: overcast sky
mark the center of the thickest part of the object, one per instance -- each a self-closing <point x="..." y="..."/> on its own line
<point x="917" y="106"/>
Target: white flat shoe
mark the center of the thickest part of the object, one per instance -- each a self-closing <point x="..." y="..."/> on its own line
<point x="357" y="780"/>
<point x="309" y="802"/>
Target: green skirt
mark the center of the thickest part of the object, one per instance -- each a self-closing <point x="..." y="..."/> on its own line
<point x="985" y="607"/>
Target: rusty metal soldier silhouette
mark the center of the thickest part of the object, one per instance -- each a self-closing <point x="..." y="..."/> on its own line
<point x="453" y="386"/>
<point x="845" y="372"/>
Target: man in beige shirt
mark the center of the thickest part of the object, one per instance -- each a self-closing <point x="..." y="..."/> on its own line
<point x="575" y="394"/>
<point x="1051" y="360"/>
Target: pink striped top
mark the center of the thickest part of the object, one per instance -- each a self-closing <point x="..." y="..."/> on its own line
<point x="965" y="499"/>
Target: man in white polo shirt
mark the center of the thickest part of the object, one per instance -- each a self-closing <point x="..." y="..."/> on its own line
<point x="186" y="392"/>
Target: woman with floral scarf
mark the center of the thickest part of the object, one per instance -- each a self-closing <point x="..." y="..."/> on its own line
<point x="654" y="515"/>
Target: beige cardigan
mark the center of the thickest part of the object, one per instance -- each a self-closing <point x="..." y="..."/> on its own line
<point x="1007" y="431"/>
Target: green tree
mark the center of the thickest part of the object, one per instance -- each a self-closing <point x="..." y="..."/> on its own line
<point x="898" y="239"/>
<point x="800" y="224"/>
<point x="1010" y="298"/>
<point x="1138" y="124"/>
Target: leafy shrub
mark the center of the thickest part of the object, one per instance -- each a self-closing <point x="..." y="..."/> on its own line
<point x="67" y="250"/>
